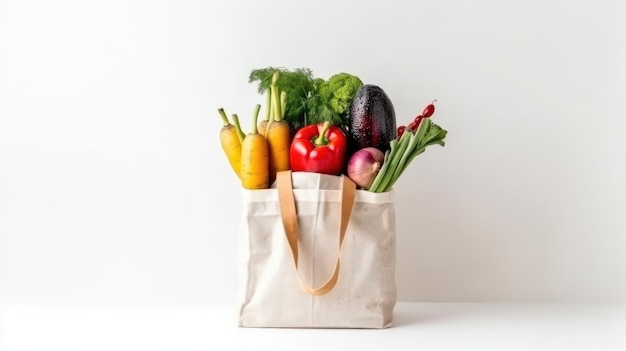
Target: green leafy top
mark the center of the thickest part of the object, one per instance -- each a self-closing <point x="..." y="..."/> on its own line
<point x="309" y="100"/>
<point x="430" y="134"/>
<point x="264" y="77"/>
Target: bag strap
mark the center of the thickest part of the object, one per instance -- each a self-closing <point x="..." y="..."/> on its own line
<point x="290" y="222"/>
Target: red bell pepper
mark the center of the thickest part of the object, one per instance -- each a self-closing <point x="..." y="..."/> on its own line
<point x="319" y="148"/>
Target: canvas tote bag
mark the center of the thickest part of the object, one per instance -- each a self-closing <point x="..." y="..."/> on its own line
<point x="315" y="252"/>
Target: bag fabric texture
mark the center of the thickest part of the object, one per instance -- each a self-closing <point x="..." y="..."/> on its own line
<point x="314" y="252"/>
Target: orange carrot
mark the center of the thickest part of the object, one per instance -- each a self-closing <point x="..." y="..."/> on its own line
<point x="255" y="158"/>
<point x="278" y="137"/>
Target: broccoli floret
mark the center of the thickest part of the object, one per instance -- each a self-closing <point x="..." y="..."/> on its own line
<point x="339" y="91"/>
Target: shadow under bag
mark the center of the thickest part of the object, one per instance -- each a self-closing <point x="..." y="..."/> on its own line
<point x="315" y="252"/>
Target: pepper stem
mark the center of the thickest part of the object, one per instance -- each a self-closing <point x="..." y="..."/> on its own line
<point x="321" y="139"/>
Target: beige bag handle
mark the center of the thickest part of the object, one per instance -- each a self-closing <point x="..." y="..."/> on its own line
<point x="290" y="222"/>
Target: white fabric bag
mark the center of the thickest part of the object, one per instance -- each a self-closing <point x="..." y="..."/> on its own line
<point x="314" y="252"/>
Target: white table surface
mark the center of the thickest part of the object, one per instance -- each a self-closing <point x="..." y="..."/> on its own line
<point x="417" y="326"/>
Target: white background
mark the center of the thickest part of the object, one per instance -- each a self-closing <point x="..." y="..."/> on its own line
<point x="114" y="189"/>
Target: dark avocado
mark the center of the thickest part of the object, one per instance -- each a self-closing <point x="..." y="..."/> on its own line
<point x="371" y="119"/>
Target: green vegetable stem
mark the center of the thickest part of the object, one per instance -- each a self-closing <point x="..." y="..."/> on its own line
<point x="403" y="151"/>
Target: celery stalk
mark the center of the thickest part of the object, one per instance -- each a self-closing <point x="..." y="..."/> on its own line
<point x="413" y="142"/>
<point x="404" y="143"/>
<point x="376" y="183"/>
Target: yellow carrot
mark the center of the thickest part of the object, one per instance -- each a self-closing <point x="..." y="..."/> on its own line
<point x="255" y="158"/>
<point x="279" y="140"/>
<point x="230" y="143"/>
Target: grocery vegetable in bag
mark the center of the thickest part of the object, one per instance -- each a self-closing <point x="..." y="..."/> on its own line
<point x="372" y="119"/>
<point x="319" y="148"/>
<point x="364" y="165"/>
<point x="411" y="142"/>
<point x="278" y="132"/>
<point x="231" y="142"/>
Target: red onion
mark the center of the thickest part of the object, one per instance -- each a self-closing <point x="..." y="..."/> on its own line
<point x="363" y="166"/>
